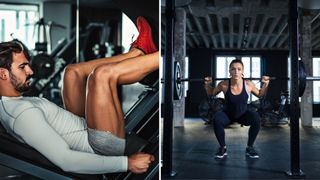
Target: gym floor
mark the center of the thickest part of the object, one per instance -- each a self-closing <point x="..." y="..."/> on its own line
<point x="194" y="146"/>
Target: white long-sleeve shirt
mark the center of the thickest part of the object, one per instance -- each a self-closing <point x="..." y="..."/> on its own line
<point x="57" y="134"/>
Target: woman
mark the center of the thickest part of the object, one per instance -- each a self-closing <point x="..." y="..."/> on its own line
<point x="236" y="91"/>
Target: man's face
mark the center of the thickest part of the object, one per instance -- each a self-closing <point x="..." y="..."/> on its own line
<point x="20" y="72"/>
<point x="236" y="70"/>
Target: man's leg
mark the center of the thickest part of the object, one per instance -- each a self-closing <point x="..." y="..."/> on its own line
<point x="103" y="108"/>
<point x="76" y="75"/>
<point x="75" y="79"/>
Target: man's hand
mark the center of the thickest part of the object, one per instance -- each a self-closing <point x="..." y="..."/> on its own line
<point x="207" y="81"/>
<point x="265" y="80"/>
<point x="139" y="162"/>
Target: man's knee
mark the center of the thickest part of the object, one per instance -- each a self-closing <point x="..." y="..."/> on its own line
<point x="103" y="74"/>
<point x="72" y="73"/>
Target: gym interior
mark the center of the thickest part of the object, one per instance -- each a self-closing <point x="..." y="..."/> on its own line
<point x="272" y="38"/>
<point x="59" y="33"/>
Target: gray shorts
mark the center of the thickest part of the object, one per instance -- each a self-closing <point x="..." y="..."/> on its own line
<point x="105" y="143"/>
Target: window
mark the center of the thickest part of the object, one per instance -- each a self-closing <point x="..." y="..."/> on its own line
<point x="186" y="75"/>
<point x="17" y="21"/>
<point x="252" y="69"/>
<point x="316" y="84"/>
<point x="289" y="75"/>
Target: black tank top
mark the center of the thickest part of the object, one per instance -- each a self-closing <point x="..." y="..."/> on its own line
<point x="236" y="105"/>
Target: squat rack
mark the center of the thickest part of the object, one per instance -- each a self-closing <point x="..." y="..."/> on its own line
<point x="295" y="170"/>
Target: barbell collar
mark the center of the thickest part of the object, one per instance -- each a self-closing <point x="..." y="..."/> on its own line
<point x="313" y="78"/>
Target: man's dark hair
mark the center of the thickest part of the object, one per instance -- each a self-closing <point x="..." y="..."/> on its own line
<point x="236" y="61"/>
<point x="6" y="50"/>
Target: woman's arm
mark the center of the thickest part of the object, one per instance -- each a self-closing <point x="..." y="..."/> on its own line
<point x="262" y="91"/>
<point x="212" y="91"/>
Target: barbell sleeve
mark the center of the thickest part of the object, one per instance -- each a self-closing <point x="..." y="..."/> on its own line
<point x="190" y="79"/>
<point x="313" y="78"/>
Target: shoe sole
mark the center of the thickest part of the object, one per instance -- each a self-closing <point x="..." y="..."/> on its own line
<point x="253" y="157"/>
<point x="220" y="157"/>
<point x="142" y="23"/>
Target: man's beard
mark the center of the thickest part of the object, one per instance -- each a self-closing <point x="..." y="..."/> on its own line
<point x="19" y="86"/>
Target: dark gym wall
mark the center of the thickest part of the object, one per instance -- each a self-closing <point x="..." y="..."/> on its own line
<point x="50" y="10"/>
<point x="275" y="64"/>
<point x="96" y="15"/>
<point x="200" y="65"/>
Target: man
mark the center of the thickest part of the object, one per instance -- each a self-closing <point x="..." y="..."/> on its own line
<point x="90" y="137"/>
<point x="236" y="91"/>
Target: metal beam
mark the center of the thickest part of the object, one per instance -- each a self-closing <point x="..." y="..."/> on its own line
<point x="271" y="29"/>
<point x="240" y="31"/>
<point x="261" y="27"/>
<point x="253" y="21"/>
<point x="284" y="26"/>
<point x="220" y="27"/>
<point x="282" y="40"/>
<point x="199" y="27"/>
<point x="195" y="39"/>
<point x="189" y="42"/>
<point x="209" y="24"/>
<point x="231" y="31"/>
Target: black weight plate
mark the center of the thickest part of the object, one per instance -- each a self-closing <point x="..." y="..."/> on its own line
<point x="302" y="78"/>
<point x="177" y="84"/>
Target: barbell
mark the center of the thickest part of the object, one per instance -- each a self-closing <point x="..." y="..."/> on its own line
<point x="178" y="80"/>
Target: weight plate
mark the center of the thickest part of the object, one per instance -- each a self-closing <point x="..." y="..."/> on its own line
<point x="42" y="65"/>
<point x="302" y="78"/>
<point x="177" y="84"/>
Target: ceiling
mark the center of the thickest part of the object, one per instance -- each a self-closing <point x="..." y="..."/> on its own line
<point x="240" y="24"/>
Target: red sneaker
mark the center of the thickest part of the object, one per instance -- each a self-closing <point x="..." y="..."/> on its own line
<point x="144" y="41"/>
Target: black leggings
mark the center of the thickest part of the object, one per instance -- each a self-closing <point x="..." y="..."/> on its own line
<point x="249" y="118"/>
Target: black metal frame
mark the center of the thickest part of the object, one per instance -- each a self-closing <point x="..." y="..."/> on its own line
<point x="168" y="91"/>
<point x="295" y="170"/>
<point x="148" y="99"/>
<point x="29" y="168"/>
<point x="22" y="157"/>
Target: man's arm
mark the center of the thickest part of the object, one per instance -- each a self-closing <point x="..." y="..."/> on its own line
<point x="32" y="127"/>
